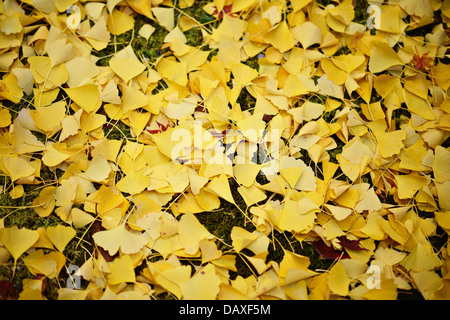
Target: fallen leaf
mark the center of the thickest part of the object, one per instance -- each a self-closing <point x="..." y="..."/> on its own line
<point x="204" y="285"/>
<point x="121" y="270"/>
<point x="17" y="241"/>
<point x="60" y="236"/>
<point x="119" y="238"/>
<point x="337" y="280"/>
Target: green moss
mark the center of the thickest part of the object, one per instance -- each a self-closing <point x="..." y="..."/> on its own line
<point x="361" y="14"/>
<point x="117" y="130"/>
<point x="151" y="50"/>
<point x="221" y="222"/>
<point x="19" y="211"/>
<point x="21" y="272"/>
<point x="334" y="152"/>
<point x="194" y="37"/>
<point x="252" y="63"/>
<point x="246" y="101"/>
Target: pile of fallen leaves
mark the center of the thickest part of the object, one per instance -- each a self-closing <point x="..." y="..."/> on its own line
<point x="358" y="112"/>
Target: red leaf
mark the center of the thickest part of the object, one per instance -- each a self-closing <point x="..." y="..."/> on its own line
<point x="267" y="117"/>
<point x="162" y="128"/>
<point x="329" y="253"/>
<point x="6" y="290"/>
<point x="351" y="244"/>
<point x="423" y="62"/>
<point x="226" y="10"/>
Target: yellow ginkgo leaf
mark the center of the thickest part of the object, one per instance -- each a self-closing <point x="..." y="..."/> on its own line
<point x="191" y="233"/>
<point x="43" y="72"/>
<point x="17" y="192"/>
<point x="209" y="251"/>
<point x="170" y="277"/>
<point x="252" y="126"/>
<point x="245" y="174"/>
<point x="176" y="34"/>
<point x="146" y="31"/>
<point x="44" y="204"/>
<point x="206" y="200"/>
<point x="386" y="291"/>
<point x="220" y="187"/>
<point x="53" y="157"/>
<point x="107" y="148"/>
<point x="419" y="8"/>
<point x="110" y="93"/>
<point x="121" y="270"/>
<point x="428" y="282"/>
<point x="243" y="74"/>
<point x="133" y="183"/>
<point x="80" y="218"/>
<point x="294" y="267"/>
<point x="339" y="213"/>
<point x="422" y="258"/>
<point x="119" y="22"/>
<point x="382" y="57"/>
<point x="98" y="170"/>
<point x="297" y="216"/>
<point x="72" y="294"/>
<point x="418" y="105"/>
<point x="307" y="34"/>
<point x="389" y="143"/>
<point x="241" y="238"/>
<point x="30" y="294"/>
<point x="107" y="199"/>
<point x="125" y="68"/>
<point x="49" y="264"/>
<point x="348" y="62"/>
<point x="372" y="111"/>
<point x="196" y="182"/>
<point x="331" y="230"/>
<point x="10" y="24"/>
<point x="164" y="16"/>
<point x="119" y="238"/>
<point x="49" y="118"/>
<point x="5" y="118"/>
<point x="60" y="235"/>
<point x="98" y="36"/>
<point x="370" y="202"/>
<point x="138" y="121"/>
<point x="16" y="168"/>
<point x="338" y="280"/>
<point x="291" y="175"/>
<point x="408" y="185"/>
<point x="443" y="219"/>
<point x="173" y="70"/>
<point x="17" y="241"/>
<point x="252" y="194"/>
<point x="280" y="37"/>
<point x="344" y="12"/>
<point x="86" y="96"/>
<point x="59" y="51"/>
<point x="441" y="163"/>
<point x="204" y="284"/>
